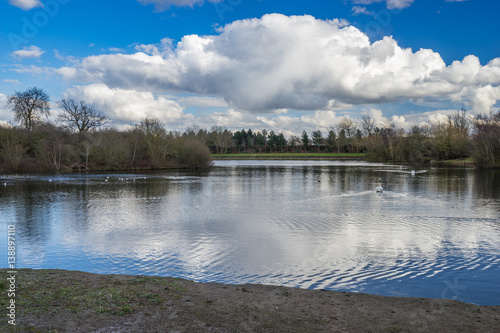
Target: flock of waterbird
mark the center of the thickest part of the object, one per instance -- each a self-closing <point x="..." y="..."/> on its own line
<point x="378" y="189"/>
<point x="106" y="180"/>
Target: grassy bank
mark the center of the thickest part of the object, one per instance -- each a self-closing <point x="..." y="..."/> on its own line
<point x="456" y="163"/>
<point x="71" y="301"/>
<point x="290" y="156"/>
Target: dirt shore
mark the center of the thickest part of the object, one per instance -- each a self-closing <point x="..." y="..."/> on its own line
<point x="71" y="301"/>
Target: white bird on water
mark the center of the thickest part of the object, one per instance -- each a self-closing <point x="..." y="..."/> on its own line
<point x="379" y="189"/>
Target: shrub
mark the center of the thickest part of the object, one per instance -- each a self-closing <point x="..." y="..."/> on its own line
<point x="194" y="154"/>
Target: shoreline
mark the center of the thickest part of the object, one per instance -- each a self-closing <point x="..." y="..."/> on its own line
<point x="291" y="156"/>
<point x="96" y="171"/>
<point x="74" y="301"/>
<point x="256" y="158"/>
<point x="458" y="163"/>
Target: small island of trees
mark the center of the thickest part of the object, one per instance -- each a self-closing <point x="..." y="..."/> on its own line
<point x="79" y="141"/>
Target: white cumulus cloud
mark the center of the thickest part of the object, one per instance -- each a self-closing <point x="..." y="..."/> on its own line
<point x="128" y="105"/>
<point x="5" y="110"/>
<point x="293" y="62"/>
<point x="26" y="4"/>
<point x="376" y="115"/>
<point x="28" y="52"/>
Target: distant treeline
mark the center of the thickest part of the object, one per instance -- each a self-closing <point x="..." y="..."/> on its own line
<point x="79" y="141"/>
<point x="475" y="140"/>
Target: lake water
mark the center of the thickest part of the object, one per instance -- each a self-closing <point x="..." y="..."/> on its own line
<point x="307" y="224"/>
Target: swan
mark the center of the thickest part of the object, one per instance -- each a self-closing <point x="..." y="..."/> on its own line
<point x="379" y="189"/>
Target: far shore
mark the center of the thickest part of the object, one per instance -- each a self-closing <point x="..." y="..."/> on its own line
<point x="51" y="300"/>
<point x="456" y="163"/>
<point x="290" y="156"/>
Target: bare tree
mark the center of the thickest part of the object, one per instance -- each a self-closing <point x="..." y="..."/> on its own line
<point x="80" y="115"/>
<point x="486" y="139"/>
<point x="459" y="122"/>
<point x="367" y="124"/>
<point x="227" y="137"/>
<point x="29" y="106"/>
<point x="12" y="152"/>
<point x="217" y="136"/>
<point x="348" y="126"/>
<point x="155" y="140"/>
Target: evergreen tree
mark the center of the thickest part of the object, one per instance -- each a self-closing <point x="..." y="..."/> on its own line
<point x="317" y="138"/>
<point x="332" y="140"/>
<point x="272" y="140"/>
<point x="260" y="140"/>
<point x="250" y="139"/>
<point x="305" y="140"/>
<point x="342" y="142"/>
<point x="281" y="141"/>
<point x="238" y="139"/>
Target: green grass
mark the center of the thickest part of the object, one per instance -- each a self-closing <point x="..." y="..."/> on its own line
<point x="293" y="155"/>
<point x="459" y="161"/>
<point x="43" y="291"/>
<point x="468" y="159"/>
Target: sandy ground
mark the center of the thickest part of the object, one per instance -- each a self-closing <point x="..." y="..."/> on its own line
<point x="70" y="301"/>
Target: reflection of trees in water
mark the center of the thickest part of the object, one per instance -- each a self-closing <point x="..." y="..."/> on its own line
<point x="161" y="186"/>
<point x="479" y="184"/>
<point x="76" y="207"/>
<point x="451" y="181"/>
<point x="41" y="204"/>
<point x="149" y="188"/>
<point x="486" y="184"/>
<point x="33" y="213"/>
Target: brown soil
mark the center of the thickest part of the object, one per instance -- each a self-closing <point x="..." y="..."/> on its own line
<point x="70" y="301"/>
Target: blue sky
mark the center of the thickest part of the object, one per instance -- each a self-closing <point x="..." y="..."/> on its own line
<point x="273" y="64"/>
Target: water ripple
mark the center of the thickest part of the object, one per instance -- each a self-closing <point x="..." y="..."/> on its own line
<point x="311" y="226"/>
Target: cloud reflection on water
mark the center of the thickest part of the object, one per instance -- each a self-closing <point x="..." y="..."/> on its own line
<point x="318" y="225"/>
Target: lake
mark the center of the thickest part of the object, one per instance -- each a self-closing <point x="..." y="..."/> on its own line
<point x="307" y="224"/>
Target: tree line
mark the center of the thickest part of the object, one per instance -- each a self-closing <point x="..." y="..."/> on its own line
<point x="459" y="137"/>
<point x="79" y="140"/>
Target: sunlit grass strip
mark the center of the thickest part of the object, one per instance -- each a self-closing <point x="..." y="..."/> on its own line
<point x="291" y="156"/>
<point x="294" y="154"/>
<point x="468" y="159"/>
<point x="459" y="162"/>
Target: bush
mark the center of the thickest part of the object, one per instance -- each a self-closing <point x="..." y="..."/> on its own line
<point x="194" y="154"/>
